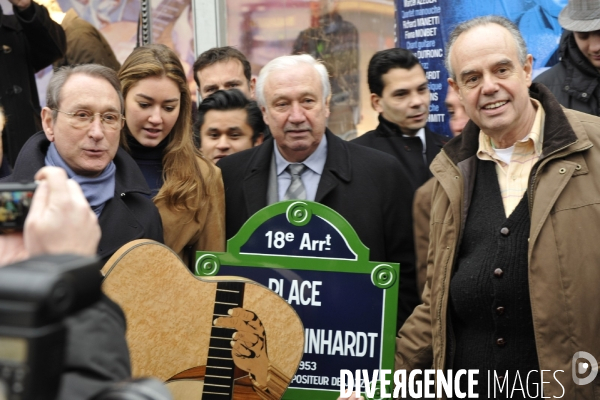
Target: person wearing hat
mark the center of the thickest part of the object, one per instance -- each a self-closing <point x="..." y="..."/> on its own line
<point x="575" y="80"/>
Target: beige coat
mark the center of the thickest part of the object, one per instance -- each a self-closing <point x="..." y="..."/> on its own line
<point x="564" y="248"/>
<point x="421" y="215"/>
<point x="208" y="233"/>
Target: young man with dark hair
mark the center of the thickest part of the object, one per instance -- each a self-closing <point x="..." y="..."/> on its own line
<point x="223" y="68"/>
<point x="400" y="94"/>
<point x="227" y="123"/>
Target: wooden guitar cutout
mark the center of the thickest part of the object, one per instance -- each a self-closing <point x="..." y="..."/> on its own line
<point x="170" y="331"/>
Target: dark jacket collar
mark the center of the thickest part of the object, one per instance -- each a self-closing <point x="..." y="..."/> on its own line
<point x="557" y="130"/>
<point x="338" y="158"/>
<point x="390" y="129"/>
<point x="9" y="21"/>
<point x="387" y="128"/>
<point x="140" y="152"/>
<point x="338" y="161"/>
<point x="581" y="75"/>
<point x="128" y="179"/>
<point x="337" y="168"/>
<point x="570" y="50"/>
<point x="31" y="158"/>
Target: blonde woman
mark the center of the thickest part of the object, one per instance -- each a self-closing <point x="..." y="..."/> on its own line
<point x="186" y="188"/>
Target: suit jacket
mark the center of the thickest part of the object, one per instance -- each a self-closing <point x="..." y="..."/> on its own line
<point x="387" y="137"/>
<point x="128" y="216"/>
<point x="365" y="186"/>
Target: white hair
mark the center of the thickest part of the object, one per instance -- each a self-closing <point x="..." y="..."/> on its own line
<point x="286" y="63"/>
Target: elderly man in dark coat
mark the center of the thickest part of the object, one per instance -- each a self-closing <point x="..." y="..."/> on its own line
<point x="30" y="41"/>
<point x="305" y="160"/>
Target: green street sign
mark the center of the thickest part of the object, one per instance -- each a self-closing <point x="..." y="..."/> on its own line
<point x="310" y="256"/>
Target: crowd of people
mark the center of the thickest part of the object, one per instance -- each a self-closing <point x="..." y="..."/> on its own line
<point x="494" y="229"/>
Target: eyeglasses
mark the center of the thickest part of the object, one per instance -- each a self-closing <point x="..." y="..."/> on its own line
<point x="82" y="119"/>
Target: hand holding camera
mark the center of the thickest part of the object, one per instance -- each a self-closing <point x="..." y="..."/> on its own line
<point x="59" y="221"/>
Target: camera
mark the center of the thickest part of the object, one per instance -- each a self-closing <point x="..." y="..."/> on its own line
<point x="15" y="200"/>
<point x="36" y="296"/>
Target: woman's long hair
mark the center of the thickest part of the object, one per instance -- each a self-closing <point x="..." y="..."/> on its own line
<point x="183" y="183"/>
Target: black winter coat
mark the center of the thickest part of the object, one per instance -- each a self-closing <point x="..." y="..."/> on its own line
<point x="96" y="354"/>
<point x="367" y="187"/>
<point x="128" y="216"/>
<point x="388" y="138"/>
<point x="574" y="81"/>
<point x="29" y="42"/>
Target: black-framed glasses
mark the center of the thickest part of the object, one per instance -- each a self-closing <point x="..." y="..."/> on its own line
<point x="82" y="119"/>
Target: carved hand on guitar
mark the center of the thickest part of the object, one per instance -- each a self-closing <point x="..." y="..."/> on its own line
<point x="249" y="343"/>
<point x="197" y="358"/>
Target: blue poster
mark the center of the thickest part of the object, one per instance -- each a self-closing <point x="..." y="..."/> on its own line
<point x="423" y="27"/>
<point x="333" y="341"/>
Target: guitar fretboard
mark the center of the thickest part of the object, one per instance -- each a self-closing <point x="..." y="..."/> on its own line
<point x="218" y="382"/>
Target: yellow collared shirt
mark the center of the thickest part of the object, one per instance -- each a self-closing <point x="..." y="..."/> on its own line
<point x="514" y="177"/>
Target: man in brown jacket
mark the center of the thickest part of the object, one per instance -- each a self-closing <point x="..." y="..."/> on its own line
<point x="422" y="201"/>
<point x="512" y="283"/>
<point x="85" y="44"/>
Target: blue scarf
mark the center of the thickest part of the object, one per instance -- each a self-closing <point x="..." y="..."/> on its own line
<point x="96" y="190"/>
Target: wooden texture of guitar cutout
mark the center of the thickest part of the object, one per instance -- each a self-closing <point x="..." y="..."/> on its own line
<point x="170" y="315"/>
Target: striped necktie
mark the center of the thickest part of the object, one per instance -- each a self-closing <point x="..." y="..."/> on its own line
<point x="296" y="189"/>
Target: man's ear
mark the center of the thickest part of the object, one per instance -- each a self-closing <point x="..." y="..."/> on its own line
<point x="375" y="103"/>
<point x="454" y="86"/>
<point x="252" y="88"/>
<point x="327" y="109"/>
<point x="258" y="140"/>
<point x="264" y="114"/>
<point x="528" y="68"/>
<point x="48" y="123"/>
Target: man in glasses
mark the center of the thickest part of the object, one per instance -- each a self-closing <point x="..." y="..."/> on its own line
<point x="82" y="124"/>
